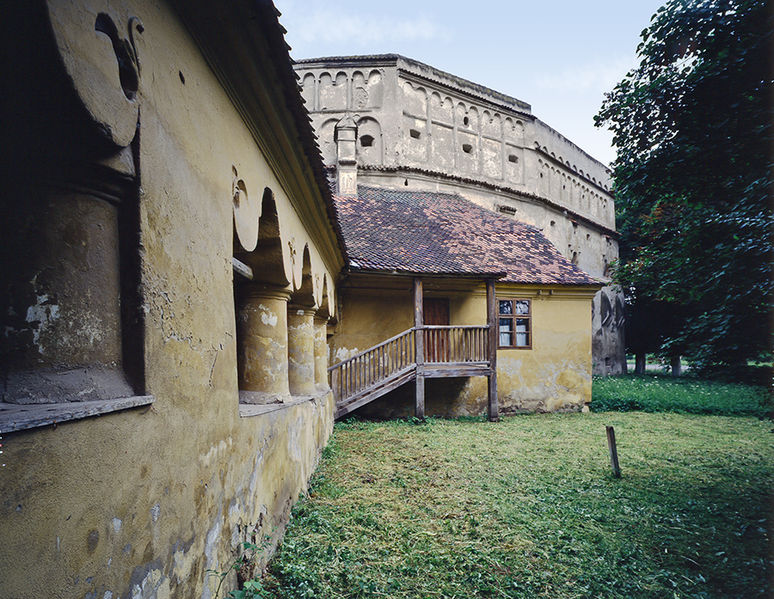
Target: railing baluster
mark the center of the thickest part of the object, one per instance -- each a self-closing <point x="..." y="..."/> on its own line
<point x="444" y="344"/>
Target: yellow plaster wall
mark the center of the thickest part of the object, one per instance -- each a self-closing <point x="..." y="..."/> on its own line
<point x="368" y="317"/>
<point x="142" y="503"/>
<point x="555" y="375"/>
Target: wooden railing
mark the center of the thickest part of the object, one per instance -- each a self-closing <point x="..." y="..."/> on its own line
<point x="374" y="365"/>
<point x="393" y="358"/>
<point x="456" y="344"/>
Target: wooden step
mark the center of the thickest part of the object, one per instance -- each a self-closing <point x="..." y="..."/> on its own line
<point x="368" y="395"/>
<point x="455" y="369"/>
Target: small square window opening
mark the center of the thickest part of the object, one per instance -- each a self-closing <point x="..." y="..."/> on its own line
<point x="515" y="323"/>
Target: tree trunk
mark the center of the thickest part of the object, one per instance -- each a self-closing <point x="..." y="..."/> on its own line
<point x="639" y="363"/>
<point x="674" y="362"/>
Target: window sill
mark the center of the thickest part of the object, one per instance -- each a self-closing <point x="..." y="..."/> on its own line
<point x="247" y="410"/>
<point x="19" y="417"/>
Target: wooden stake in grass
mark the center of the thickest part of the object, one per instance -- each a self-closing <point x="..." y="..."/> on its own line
<point x="613" y="452"/>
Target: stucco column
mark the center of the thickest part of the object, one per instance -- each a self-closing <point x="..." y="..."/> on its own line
<point x="301" y="358"/>
<point x="63" y="328"/>
<point x="262" y="337"/>
<point x="321" y="353"/>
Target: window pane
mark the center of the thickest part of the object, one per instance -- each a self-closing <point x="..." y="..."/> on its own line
<point x="506" y="307"/>
<point x="522" y="332"/>
<point x="522" y="307"/>
<point x="506" y="331"/>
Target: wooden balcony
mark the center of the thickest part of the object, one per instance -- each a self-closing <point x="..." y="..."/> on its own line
<point x="423" y="351"/>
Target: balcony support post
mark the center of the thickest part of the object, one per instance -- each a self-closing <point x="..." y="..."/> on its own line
<point x="492" y="320"/>
<point x="419" y="336"/>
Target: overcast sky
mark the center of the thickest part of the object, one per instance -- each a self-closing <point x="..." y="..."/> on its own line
<point x="559" y="56"/>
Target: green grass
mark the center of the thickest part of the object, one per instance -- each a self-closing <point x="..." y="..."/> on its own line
<point x="527" y="508"/>
<point x="687" y="395"/>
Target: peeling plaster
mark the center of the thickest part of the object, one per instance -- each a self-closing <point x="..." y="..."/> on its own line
<point x="154" y="586"/>
<point x="344" y="353"/>
<point x="44" y="314"/>
<point x="216" y="452"/>
<point x="268" y="317"/>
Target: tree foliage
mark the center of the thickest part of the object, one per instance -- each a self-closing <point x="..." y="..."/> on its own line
<point x="692" y="126"/>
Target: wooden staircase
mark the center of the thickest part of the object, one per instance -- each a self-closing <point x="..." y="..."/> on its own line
<point x="425" y="351"/>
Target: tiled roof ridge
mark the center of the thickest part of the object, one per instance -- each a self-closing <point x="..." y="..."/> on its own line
<point x="457" y="197"/>
<point x="408" y="231"/>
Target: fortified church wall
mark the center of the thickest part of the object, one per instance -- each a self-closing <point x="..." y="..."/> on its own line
<point x="424" y="129"/>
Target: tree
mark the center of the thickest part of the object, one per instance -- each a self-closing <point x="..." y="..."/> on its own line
<point x="692" y="126"/>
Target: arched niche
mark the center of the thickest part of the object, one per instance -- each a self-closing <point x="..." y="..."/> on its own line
<point x="490" y="124"/>
<point x="513" y="131"/>
<point x="414" y="100"/>
<point x="333" y="91"/>
<point x="375" y="89"/>
<point x="325" y="310"/>
<point x="441" y="110"/>
<point x="303" y="292"/>
<point x="327" y="142"/>
<point x="266" y="260"/>
<point x="545" y="180"/>
<point x="367" y="91"/>
<point x="370" y="148"/>
<point x="473" y="119"/>
<point x="308" y="91"/>
<point x="359" y="91"/>
<point x="460" y="115"/>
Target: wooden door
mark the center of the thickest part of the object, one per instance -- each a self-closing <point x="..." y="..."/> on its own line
<point x="436" y="312"/>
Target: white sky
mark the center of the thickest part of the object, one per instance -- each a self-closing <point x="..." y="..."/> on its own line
<point x="558" y="56"/>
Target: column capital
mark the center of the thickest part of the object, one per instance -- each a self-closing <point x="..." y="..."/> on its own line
<point x="262" y="290"/>
<point x="298" y="309"/>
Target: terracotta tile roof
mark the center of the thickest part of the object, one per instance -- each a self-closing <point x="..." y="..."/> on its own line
<point x="441" y="233"/>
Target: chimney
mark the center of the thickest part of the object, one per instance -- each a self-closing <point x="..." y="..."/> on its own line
<point x="345" y="137"/>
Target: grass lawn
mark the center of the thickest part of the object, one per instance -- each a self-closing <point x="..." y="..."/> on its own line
<point x="527" y="508"/>
<point x="663" y="393"/>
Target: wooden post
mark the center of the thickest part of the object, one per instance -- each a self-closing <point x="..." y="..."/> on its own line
<point x="613" y="452"/>
<point x="419" y="405"/>
<point x="491" y="320"/>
